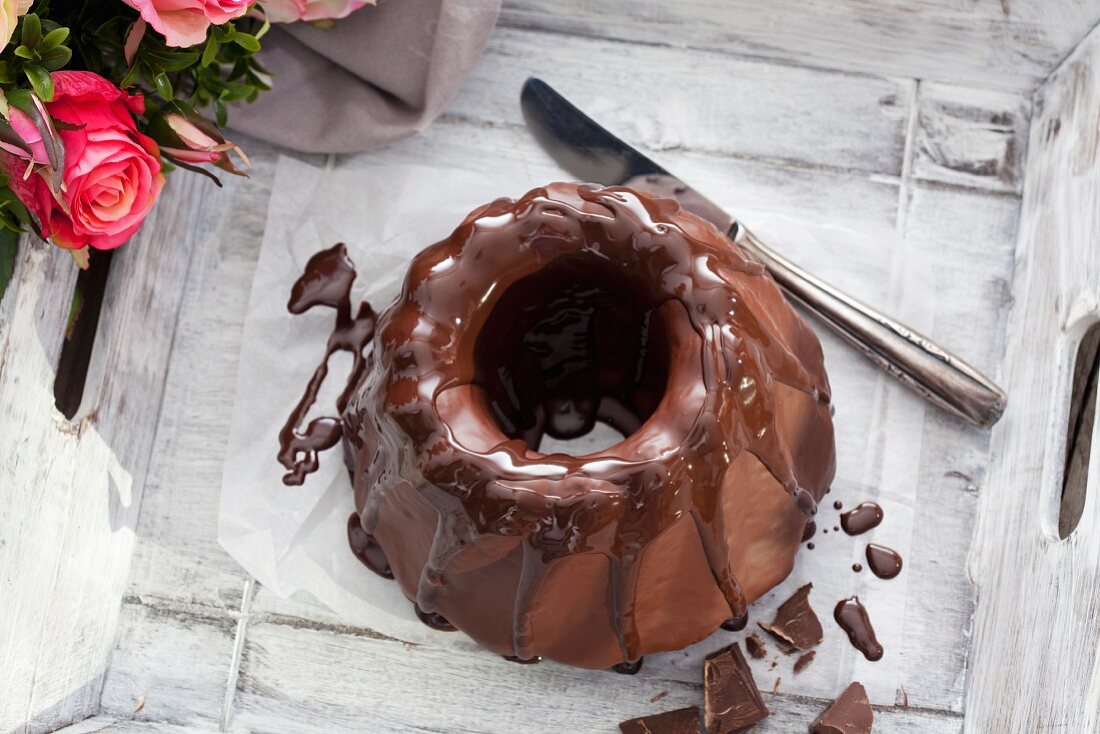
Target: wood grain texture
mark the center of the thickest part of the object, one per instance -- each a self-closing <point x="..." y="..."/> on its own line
<point x="664" y="99"/>
<point x="68" y="522"/>
<point x="177" y="562"/>
<point x="387" y="686"/>
<point x="971" y="137"/>
<point x="1035" y="665"/>
<point x="760" y="138"/>
<point x="999" y="44"/>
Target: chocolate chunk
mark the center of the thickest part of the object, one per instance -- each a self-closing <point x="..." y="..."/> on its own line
<point x="850" y="713"/>
<point x="680" y="721"/>
<point x="755" y="646"/>
<point x="795" y="624"/>
<point x="732" y="700"/>
<point x="804" y="661"/>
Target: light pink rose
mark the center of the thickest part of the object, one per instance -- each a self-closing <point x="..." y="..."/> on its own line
<point x="185" y="22"/>
<point x="112" y="174"/>
<point x="288" y="11"/>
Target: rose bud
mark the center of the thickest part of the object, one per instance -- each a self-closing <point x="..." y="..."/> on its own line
<point x="189" y="139"/>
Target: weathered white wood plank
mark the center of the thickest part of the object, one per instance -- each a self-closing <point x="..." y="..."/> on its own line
<point x="172" y="663"/>
<point x="110" y="725"/>
<point x="75" y="487"/>
<point x="664" y="98"/>
<point x="1036" y="659"/>
<point x="971" y="137"/>
<point x="1003" y="44"/>
<point x="661" y="98"/>
<point x="385" y="686"/>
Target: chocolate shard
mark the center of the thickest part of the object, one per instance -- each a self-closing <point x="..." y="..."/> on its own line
<point x="796" y="626"/>
<point x="850" y="713"/>
<point x="804" y="661"/>
<point x="680" y="721"/>
<point x="732" y="701"/>
<point x="756" y="646"/>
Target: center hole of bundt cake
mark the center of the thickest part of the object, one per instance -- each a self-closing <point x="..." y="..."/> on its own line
<point x="573" y="357"/>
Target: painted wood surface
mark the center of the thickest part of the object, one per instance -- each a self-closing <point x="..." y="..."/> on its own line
<point x="200" y="647"/>
<point x="1037" y="628"/>
<point x="187" y="601"/>
<point x="997" y="44"/>
<point x="73" y="488"/>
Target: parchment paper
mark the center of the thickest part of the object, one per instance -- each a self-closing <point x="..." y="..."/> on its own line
<point x="293" y="539"/>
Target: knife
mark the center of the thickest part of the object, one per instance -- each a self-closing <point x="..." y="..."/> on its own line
<point x="591" y="153"/>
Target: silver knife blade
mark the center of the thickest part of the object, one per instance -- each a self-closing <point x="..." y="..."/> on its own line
<point x="587" y="150"/>
<point x="591" y="153"/>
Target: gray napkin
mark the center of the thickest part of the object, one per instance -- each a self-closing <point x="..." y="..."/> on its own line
<point x="379" y="75"/>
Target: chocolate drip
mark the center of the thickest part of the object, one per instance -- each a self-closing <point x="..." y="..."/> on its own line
<point x="884" y="562"/>
<point x="863" y="517"/>
<point x="522" y="661"/>
<point x="809" y="531"/>
<point x="607" y="296"/>
<point x="433" y="619"/>
<point x="366" y="549"/>
<point x="853" y="619"/>
<point x="628" y="667"/>
<point x="327" y="281"/>
<point x="736" y="624"/>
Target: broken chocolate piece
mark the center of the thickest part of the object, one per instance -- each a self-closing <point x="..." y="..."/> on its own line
<point x="795" y="624"/>
<point x="732" y="701"/>
<point x="850" y="713"/>
<point x="804" y="661"/>
<point x="755" y="646"/>
<point x="680" y="721"/>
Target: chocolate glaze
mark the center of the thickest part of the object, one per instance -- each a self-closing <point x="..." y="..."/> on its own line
<point x="542" y="316"/>
<point x="434" y="620"/>
<point x="884" y="562"/>
<point x="327" y="281"/>
<point x="628" y="667"/>
<point x="860" y="519"/>
<point x="853" y="619"/>
<point x="809" y="530"/>
<point x="366" y="550"/>
<point x="735" y="624"/>
<point x="521" y="661"/>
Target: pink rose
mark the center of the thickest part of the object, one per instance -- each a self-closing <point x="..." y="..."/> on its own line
<point x="185" y="22"/>
<point x="112" y="173"/>
<point x="288" y="11"/>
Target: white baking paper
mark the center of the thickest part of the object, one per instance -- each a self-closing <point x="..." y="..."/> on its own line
<point x="293" y="539"/>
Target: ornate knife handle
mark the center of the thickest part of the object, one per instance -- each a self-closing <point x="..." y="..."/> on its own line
<point x="916" y="361"/>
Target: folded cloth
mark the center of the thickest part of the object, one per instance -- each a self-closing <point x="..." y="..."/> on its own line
<point x="379" y="75"/>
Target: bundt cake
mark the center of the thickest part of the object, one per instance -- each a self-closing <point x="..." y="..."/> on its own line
<point x="541" y="317"/>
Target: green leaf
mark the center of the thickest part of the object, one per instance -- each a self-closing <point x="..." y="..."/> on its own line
<point x="53" y="39"/>
<point x="163" y="85"/>
<point x="221" y="114"/>
<point x="41" y="81"/>
<point x="9" y="248"/>
<point x="210" y="52"/>
<point x="24" y="53"/>
<point x="32" y="30"/>
<point x="247" y="42"/>
<point x="57" y="59"/>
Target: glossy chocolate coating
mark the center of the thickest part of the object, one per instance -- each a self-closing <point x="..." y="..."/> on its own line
<point x="541" y="316"/>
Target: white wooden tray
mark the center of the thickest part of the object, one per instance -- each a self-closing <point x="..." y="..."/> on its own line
<point x="972" y="131"/>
